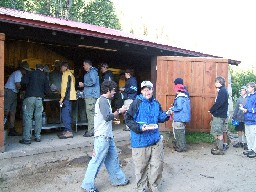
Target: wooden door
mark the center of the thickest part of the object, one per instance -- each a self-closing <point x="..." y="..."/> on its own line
<point x="199" y="76"/>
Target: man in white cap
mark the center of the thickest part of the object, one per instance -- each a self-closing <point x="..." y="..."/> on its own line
<point x="142" y="118"/>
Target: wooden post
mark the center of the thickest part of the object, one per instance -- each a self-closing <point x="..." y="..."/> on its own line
<point x="2" y="39"/>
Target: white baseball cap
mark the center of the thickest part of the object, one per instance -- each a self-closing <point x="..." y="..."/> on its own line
<point x="146" y="84"/>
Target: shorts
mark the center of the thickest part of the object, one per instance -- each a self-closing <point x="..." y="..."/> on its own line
<point x="218" y="126"/>
<point x="240" y="127"/>
<point x="10" y="100"/>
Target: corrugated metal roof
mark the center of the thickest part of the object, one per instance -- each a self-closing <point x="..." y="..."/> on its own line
<point x="42" y="21"/>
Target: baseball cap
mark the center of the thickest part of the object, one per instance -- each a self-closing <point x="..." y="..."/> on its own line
<point x="178" y="81"/>
<point x="146" y="84"/>
<point x="244" y="87"/>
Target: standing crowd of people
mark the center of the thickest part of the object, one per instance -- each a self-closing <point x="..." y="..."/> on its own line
<point x="142" y="114"/>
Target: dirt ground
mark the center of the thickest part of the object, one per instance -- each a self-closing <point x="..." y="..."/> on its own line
<point x="195" y="170"/>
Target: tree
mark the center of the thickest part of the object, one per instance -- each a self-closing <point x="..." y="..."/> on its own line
<point x="13" y="4"/>
<point x="239" y="79"/>
<point x="101" y="13"/>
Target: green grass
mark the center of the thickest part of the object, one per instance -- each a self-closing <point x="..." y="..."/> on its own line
<point x="196" y="137"/>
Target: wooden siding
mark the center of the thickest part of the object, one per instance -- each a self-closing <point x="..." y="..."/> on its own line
<point x="199" y="76"/>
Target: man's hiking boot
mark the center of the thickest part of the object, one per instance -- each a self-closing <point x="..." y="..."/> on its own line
<point x="26" y="142"/>
<point x="217" y="152"/>
<point x="66" y="135"/>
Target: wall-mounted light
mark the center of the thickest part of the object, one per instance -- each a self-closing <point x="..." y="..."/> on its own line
<point x="82" y="37"/>
<point x="21" y="27"/>
<point x="145" y="48"/>
<point x="106" y="41"/>
<point x="54" y="33"/>
<point x="126" y="45"/>
<point x="161" y="51"/>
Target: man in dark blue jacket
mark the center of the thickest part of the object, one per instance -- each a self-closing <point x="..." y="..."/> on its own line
<point x="143" y="117"/>
<point x="129" y="91"/>
<point x="250" y="120"/>
<point x="219" y="112"/>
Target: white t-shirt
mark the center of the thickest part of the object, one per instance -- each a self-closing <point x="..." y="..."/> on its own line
<point x="15" y="77"/>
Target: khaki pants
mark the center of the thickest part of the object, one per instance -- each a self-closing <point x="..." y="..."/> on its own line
<point x="90" y="111"/>
<point x="148" y="166"/>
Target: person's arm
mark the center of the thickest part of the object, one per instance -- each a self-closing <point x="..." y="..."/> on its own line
<point x="64" y="82"/>
<point x="162" y="116"/>
<point x="221" y="99"/>
<point x="252" y="109"/>
<point x="105" y="109"/>
<point x="129" y="120"/>
<point x="92" y="77"/>
<point x="236" y="109"/>
<point x="178" y="105"/>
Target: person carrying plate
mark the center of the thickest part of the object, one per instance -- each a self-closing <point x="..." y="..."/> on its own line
<point x="142" y="118"/>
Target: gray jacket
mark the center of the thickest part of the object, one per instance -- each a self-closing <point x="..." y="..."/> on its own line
<point x="91" y="84"/>
<point x="238" y="114"/>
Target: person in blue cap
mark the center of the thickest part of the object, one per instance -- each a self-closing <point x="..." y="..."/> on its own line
<point x="239" y="117"/>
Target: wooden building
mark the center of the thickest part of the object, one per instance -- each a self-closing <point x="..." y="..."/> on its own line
<point x="37" y="37"/>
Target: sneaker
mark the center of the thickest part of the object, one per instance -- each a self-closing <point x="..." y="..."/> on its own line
<point x="225" y="147"/>
<point x="66" y="135"/>
<point x="37" y="140"/>
<point x="251" y="155"/>
<point x="247" y="152"/>
<point x="126" y="182"/>
<point x="87" y="134"/>
<point x="214" y="149"/>
<point x="238" y="145"/>
<point x="217" y="152"/>
<point x="91" y="190"/>
<point x="180" y="150"/>
<point x="26" y="142"/>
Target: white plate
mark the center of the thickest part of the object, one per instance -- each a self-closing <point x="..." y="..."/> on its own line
<point x="151" y="126"/>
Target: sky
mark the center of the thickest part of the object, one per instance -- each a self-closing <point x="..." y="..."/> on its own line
<point x="225" y="28"/>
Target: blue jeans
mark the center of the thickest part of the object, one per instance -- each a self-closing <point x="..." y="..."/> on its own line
<point x="66" y="112"/>
<point x="32" y="106"/>
<point x="105" y="152"/>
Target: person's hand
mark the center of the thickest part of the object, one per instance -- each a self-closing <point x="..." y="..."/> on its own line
<point x="121" y="89"/>
<point x="60" y="103"/>
<point x="123" y="109"/>
<point x="144" y="127"/>
<point x="81" y="84"/>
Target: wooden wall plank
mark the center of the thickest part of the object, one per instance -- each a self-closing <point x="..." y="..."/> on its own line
<point x="2" y="39"/>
